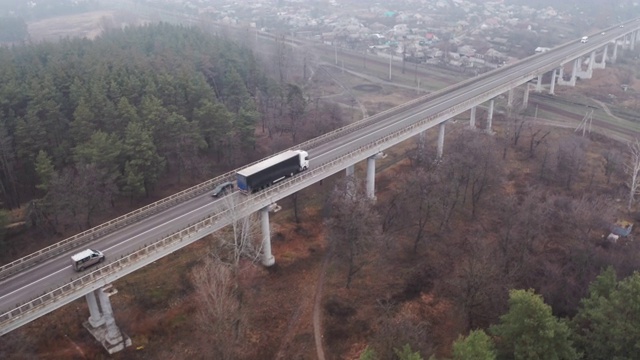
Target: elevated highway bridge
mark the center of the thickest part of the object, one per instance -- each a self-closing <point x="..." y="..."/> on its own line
<point x="44" y="281"/>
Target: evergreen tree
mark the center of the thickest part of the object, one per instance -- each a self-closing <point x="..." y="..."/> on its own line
<point x="529" y="330"/>
<point x="368" y="354"/>
<point x="235" y="93"/>
<point x="45" y="170"/>
<point x="476" y="346"/>
<point x="82" y="125"/>
<point x="405" y="353"/>
<point x="607" y="325"/>
<point x="143" y="166"/>
<point x="215" y="124"/>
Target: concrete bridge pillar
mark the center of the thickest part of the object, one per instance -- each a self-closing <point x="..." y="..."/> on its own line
<point x="95" y="319"/>
<point x="105" y="330"/>
<point x="267" y="257"/>
<point x="615" y="52"/>
<point x="539" y="84"/>
<point x="574" y="72"/>
<point x="371" y="175"/>
<point x="525" y="97"/>
<point x="441" y="139"/>
<point x="422" y="140"/>
<point x="489" y="117"/>
<point x="602" y="63"/>
<point x="592" y="60"/>
<point x="586" y="74"/>
<point x="560" y="74"/>
<point x="351" y="177"/>
<point x="552" y="86"/>
<point x="472" y="118"/>
<point x="351" y="170"/>
<point x="633" y="41"/>
<point x="510" y="98"/>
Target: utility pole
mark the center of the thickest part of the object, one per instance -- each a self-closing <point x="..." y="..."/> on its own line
<point x="390" y="58"/>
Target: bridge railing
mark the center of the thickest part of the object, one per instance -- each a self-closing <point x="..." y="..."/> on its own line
<point x="108" y="227"/>
<point x="263" y="197"/>
<point x="158" y="206"/>
<point x="113" y="267"/>
<point x="109" y="269"/>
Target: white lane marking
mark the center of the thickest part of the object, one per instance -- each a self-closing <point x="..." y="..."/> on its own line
<point x="171" y="220"/>
<point x="32" y="283"/>
<point x="122" y="242"/>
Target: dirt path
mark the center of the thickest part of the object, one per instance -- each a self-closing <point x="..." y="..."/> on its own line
<point x="317" y="321"/>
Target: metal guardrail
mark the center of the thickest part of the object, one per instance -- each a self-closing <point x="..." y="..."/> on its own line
<point x="154" y="208"/>
<point x="107" y="227"/>
<point x="158" y="206"/>
<point x="252" y="203"/>
<point x="112" y="268"/>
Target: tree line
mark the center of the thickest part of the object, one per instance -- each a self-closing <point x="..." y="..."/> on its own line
<point x="85" y="123"/>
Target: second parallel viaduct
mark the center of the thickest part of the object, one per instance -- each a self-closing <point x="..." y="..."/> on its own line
<point x="44" y="281"/>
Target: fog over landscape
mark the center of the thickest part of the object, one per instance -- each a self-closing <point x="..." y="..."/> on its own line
<point x="187" y="179"/>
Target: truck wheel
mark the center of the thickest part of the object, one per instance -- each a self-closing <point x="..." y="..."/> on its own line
<point x="81" y="268"/>
<point x="101" y="260"/>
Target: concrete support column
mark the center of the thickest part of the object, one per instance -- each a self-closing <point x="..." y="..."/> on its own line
<point x="441" y="139"/>
<point x="596" y="64"/>
<point x="633" y="41"/>
<point x="552" y="86"/>
<point x="586" y="74"/>
<point x="525" y="97"/>
<point x="113" y="333"/>
<point x="371" y="175"/>
<point x="96" y="319"/>
<point x="539" y="84"/>
<point x="102" y="325"/>
<point x="490" y="116"/>
<point x="422" y="140"/>
<point x="351" y="170"/>
<point x="574" y="72"/>
<point x="472" y="118"/>
<point x="510" y="98"/>
<point x="615" y="52"/>
<point x="267" y="257"/>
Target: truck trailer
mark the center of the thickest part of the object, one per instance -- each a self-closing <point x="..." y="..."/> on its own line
<point x="272" y="170"/>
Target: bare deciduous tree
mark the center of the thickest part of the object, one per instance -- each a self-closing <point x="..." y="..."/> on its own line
<point x="632" y="168"/>
<point x="353" y="227"/>
<point x="612" y="163"/>
<point x="219" y="314"/>
<point x="417" y="203"/>
<point x="570" y="159"/>
<point x="240" y="240"/>
<point x="476" y="283"/>
<point x="537" y="137"/>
